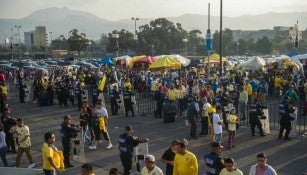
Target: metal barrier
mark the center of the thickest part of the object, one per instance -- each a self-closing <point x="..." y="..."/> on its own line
<point x="145" y="104"/>
<point x="13" y="93"/>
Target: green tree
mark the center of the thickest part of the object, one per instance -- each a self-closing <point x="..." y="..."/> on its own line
<point x="77" y="42"/>
<point x="228" y="45"/>
<point x="123" y="43"/>
<point x="264" y="45"/>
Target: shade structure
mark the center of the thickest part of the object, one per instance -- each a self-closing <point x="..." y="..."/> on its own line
<point x="214" y="58"/>
<point x="106" y="60"/>
<point x="148" y="60"/>
<point x="183" y="60"/>
<point x="254" y="63"/>
<point x="165" y="62"/>
<point x="136" y="59"/>
<point x="126" y="59"/>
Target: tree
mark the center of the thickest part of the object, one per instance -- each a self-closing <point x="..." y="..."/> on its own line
<point x="241" y="46"/>
<point x="77" y="42"/>
<point x="264" y="45"/>
<point x="123" y="43"/>
<point x="228" y="45"/>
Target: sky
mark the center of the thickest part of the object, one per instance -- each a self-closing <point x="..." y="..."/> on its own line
<point x="123" y="9"/>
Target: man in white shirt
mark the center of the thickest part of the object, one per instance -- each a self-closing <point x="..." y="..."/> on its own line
<point x="217" y="122"/>
<point x="150" y="167"/>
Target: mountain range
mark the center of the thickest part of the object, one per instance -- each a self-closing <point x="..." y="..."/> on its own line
<point x="60" y="21"/>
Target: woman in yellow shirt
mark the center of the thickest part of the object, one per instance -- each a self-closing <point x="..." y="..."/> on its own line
<point x="232" y="120"/>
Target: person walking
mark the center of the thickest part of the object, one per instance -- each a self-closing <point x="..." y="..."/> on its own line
<point x="254" y="118"/>
<point x="185" y="162"/>
<point x="261" y="167"/>
<point x="101" y="115"/>
<point x="230" y="168"/>
<point x="52" y="158"/>
<point x="126" y="144"/>
<point x="23" y="143"/>
<point x="8" y="123"/>
<point x="213" y="160"/>
<point x="205" y="117"/>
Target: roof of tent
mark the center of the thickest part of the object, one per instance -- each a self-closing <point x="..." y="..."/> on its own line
<point x="254" y="63"/>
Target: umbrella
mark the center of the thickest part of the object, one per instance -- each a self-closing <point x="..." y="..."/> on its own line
<point x="126" y="59"/>
<point x="183" y="60"/>
<point x="148" y="59"/>
<point x="165" y="62"/>
<point x="215" y="57"/>
<point x="106" y="60"/>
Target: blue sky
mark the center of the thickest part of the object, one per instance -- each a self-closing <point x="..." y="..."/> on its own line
<point x="122" y="9"/>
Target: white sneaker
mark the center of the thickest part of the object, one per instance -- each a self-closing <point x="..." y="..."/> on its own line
<point x="31" y="165"/>
<point x="92" y="147"/>
<point x="109" y="146"/>
<point x="186" y="122"/>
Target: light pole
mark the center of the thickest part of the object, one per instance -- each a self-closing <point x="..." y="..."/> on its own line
<point x="12" y="43"/>
<point x="116" y="36"/>
<point x="185" y="40"/>
<point x="50" y="35"/>
<point x="135" y="32"/>
<point x="221" y="38"/>
<point x="19" y="51"/>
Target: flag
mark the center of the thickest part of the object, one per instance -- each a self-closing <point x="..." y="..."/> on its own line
<point x="102" y="83"/>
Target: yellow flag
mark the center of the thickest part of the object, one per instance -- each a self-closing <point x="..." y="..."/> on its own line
<point x="102" y="83"/>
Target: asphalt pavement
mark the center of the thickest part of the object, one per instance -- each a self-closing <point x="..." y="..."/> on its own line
<point x="287" y="157"/>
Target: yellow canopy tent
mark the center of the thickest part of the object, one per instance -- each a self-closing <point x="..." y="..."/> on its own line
<point x="165" y="62"/>
<point x="214" y="58"/>
<point x="136" y="59"/>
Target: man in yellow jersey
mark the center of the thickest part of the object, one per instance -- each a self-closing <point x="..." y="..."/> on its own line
<point x="211" y="111"/>
<point x="52" y="158"/>
<point x="185" y="162"/>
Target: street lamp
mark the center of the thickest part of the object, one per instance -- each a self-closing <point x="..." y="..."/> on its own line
<point x="19" y="51"/>
<point x="135" y="32"/>
<point x="50" y="35"/>
<point x="116" y="36"/>
<point x="221" y="38"/>
<point x="185" y="40"/>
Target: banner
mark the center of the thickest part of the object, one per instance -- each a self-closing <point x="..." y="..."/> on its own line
<point x="102" y="83"/>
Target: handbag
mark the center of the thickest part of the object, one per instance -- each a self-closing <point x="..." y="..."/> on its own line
<point x="237" y="126"/>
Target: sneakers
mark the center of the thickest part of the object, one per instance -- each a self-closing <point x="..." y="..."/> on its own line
<point x="109" y="146"/>
<point x="31" y="165"/>
<point x="92" y="147"/>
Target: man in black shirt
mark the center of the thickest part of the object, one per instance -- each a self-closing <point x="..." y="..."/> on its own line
<point x="169" y="156"/>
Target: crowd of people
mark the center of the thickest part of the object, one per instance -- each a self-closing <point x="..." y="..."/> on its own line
<point x="221" y="101"/>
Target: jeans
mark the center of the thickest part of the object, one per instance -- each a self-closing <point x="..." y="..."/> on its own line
<point x="20" y="151"/>
<point x="49" y="172"/>
<point x="218" y="137"/>
<point x="3" y="156"/>
<point x="126" y="160"/>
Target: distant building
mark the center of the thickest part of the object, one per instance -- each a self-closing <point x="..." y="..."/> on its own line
<point x="36" y="38"/>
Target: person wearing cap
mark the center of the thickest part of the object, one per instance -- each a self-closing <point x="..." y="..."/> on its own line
<point x="185" y="162"/>
<point x="150" y="167"/>
<point x="68" y="131"/>
<point x="285" y="110"/>
<point x="261" y="167"/>
<point x="126" y="144"/>
<point x="169" y="156"/>
<point x="230" y="168"/>
<point x="213" y="160"/>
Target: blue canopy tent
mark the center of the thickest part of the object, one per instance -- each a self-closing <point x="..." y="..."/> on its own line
<point x="292" y="53"/>
<point x="106" y="61"/>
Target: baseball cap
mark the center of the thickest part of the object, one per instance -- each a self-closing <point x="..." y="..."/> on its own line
<point x="150" y="157"/>
<point x="128" y="128"/>
<point x="175" y="142"/>
<point x="216" y="144"/>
